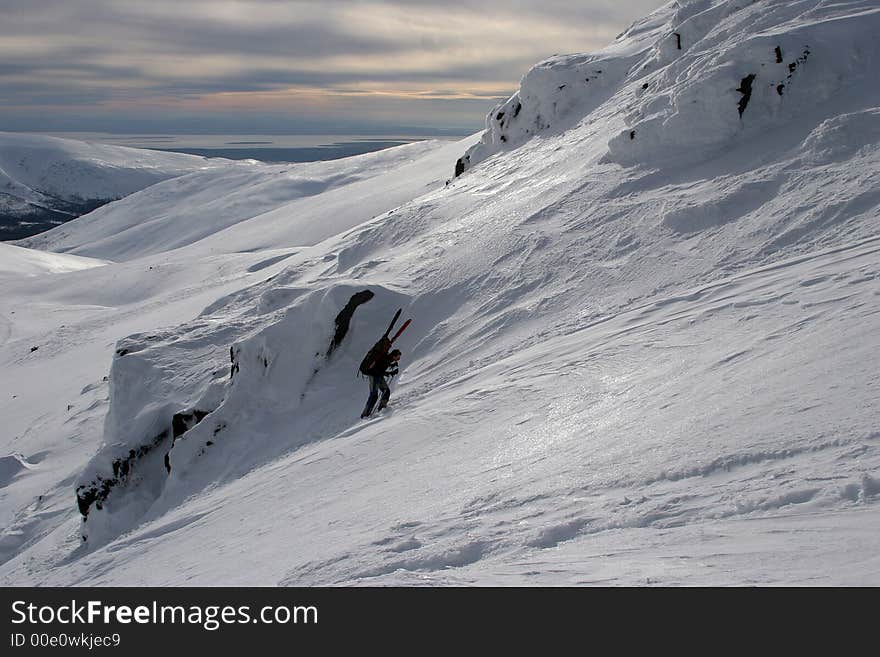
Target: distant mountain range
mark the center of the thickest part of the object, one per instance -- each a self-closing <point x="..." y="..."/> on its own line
<point x="46" y="181"/>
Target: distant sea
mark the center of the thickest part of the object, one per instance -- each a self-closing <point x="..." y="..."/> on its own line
<point x="267" y="148"/>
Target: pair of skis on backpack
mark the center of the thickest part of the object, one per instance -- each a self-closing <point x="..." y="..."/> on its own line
<point x="391" y="326"/>
<point x="378" y="350"/>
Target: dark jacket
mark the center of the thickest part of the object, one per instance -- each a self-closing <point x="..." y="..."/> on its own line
<point x="386" y="366"/>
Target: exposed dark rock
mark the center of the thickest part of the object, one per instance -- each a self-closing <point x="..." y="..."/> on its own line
<point x="186" y="420"/>
<point x="33" y="349"/>
<point x="516" y="110"/>
<point x="778" y="52"/>
<point x="745" y="88"/>
<point x="121" y="352"/>
<point x="499" y="116"/>
<point x="343" y="319"/>
<point x="677" y="40"/>
<point x="800" y="60"/>
<point x="234" y="367"/>
<point x="460" y="165"/>
<point x="503" y="138"/>
<point x="779" y="88"/>
<point x="632" y="134"/>
<point x="36" y="219"/>
<point x="98" y="490"/>
<point x="645" y="86"/>
<point x="180" y="424"/>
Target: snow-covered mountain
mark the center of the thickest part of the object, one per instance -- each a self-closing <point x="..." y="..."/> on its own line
<point x="643" y="349"/>
<point x="18" y="261"/>
<point x="262" y="205"/>
<point x="45" y="181"/>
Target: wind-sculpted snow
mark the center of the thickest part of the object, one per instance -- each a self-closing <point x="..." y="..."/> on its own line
<point x="725" y="88"/>
<point x="659" y="369"/>
<point x="553" y="95"/>
<point x="201" y="404"/>
<point x="697" y="77"/>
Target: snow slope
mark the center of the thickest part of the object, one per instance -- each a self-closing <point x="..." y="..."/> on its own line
<point x="632" y="360"/>
<point x="273" y="204"/>
<point x="48" y="179"/>
<point x="19" y="261"/>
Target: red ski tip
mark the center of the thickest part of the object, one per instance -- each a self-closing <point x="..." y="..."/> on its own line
<point x="401" y="330"/>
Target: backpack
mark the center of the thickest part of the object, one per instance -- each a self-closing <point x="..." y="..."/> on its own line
<point x="377" y="351"/>
<point x="375" y="355"/>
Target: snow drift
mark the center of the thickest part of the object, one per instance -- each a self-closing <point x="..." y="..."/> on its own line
<point x="695" y="77"/>
<point x="231" y="390"/>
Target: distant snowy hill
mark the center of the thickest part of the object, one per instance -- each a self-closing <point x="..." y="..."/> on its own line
<point x="45" y="181"/>
<point x="261" y="205"/>
<point x="18" y="261"/>
<point x="643" y="348"/>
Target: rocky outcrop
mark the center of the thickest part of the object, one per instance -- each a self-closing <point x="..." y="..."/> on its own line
<point x="343" y="319"/>
<point x="165" y="386"/>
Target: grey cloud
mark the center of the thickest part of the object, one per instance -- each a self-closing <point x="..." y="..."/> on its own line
<point x="117" y="43"/>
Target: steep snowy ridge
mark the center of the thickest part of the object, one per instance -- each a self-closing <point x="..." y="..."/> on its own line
<point x="796" y="56"/>
<point x="699" y="76"/>
<point x="633" y="359"/>
<point x="559" y="92"/>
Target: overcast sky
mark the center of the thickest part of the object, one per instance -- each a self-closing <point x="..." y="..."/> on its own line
<point x="268" y="66"/>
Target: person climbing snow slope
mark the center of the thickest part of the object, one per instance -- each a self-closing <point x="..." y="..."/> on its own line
<point x="380" y="362"/>
<point x="386" y="366"/>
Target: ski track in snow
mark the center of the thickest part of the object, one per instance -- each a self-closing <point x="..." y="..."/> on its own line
<point x="642" y="350"/>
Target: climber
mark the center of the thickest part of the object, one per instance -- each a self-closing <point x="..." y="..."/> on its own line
<point x="379" y="363"/>
<point x="385" y="366"/>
